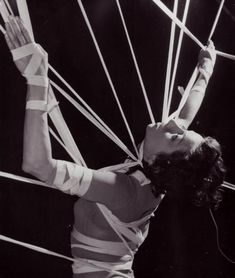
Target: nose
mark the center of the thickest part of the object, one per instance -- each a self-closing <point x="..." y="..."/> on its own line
<point x="173" y="127"/>
<point x="153" y="126"/>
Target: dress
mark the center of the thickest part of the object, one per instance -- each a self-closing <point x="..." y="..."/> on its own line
<point x="111" y="218"/>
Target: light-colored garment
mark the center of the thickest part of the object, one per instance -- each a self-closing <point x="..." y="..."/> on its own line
<point x="122" y="269"/>
<point x="106" y="192"/>
<point x="131" y="237"/>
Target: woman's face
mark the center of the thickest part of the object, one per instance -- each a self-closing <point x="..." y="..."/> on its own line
<point x="168" y="138"/>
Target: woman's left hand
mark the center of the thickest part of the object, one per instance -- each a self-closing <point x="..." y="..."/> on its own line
<point x="207" y="53"/>
<point x="18" y="36"/>
<point x="206" y="60"/>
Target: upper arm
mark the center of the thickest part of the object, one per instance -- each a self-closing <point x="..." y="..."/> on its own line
<point x="114" y="190"/>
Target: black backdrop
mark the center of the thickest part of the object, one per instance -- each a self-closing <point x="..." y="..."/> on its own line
<point x="182" y="241"/>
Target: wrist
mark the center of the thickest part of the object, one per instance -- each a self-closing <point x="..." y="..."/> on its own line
<point x="38" y="99"/>
<point x="37" y="80"/>
<point x="37" y="93"/>
<point x="35" y="64"/>
<point x="206" y="69"/>
<point x="201" y="84"/>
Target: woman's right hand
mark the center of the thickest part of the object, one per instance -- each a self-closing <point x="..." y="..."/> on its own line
<point x="206" y="60"/>
<point x="17" y="36"/>
<point x="207" y="53"/>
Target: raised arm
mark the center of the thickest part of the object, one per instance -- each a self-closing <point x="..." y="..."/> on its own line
<point x="113" y="190"/>
<point x="31" y="61"/>
<point x="206" y="61"/>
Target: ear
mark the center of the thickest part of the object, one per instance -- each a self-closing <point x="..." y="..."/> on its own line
<point x="150" y="160"/>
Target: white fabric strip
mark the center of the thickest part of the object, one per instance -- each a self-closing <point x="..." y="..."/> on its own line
<point x="34" y="63"/>
<point x="136" y="64"/>
<point x="37" y="80"/>
<point x="94" y="121"/>
<point x="206" y="69"/>
<point x="105" y="213"/>
<point x="177" y="55"/>
<point x="40" y="105"/>
<point x="66" y="148"/>
<point x="107" y="73"/>
<point x="23" y="51"/>
<point x="22" y="179"/>
<point x="51" y="105"/>
<point x="78" y="181"/>
<point x="55" y="114"/>
<point x="24" y="14"/>
<point x="164" y="8"/>
<point x="60" y="172"/>
<point x="4" y="12"/>
<point x="2" y="30"/>
<point x="35" y="248"/>
<point x="36" y="182"/>
<point x="180" y="90"/>
<point x="228" y="185"/>
<point x="83" y="266"/>
<point x="186" y="93"/>
<point x="63" y="130"/>
<point x="11" y="176"/>
<point x="195" y="73"/>
<point x="36" y="59"/>
<point x="169" y="63"/>
<point x="9" y="7"/>
<point x="96" y="264"/>
<point x="88" y="108"/>
<point x="216" y="19"/>
<point x="70" y="183"/>
<point x="113" y="252"/>
<point x="115" y="139"/>
<point x="26" y="50"/>
<point x="80" y="188"/>
<point x="121" y="166"/>
<point x="97" y="245"/>
<point x="185" y="29"/>
<point x="122" y="227"/>
<point x="225" y="55"/>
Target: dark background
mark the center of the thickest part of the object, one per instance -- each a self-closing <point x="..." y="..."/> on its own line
<point x="182" y="240"/>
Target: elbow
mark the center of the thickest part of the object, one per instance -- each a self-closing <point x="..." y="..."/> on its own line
<point x="29" y="168"/>
<point x="38" y="169"/>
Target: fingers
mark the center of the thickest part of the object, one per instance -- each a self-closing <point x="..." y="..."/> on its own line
<point x="210" y="44"/>
<point x="12" y="39"/>
<point x="211" y="50"/>
<point x="207" y="53"/>
<point x="16" y="30"/>
<point x="9" y="42"/>
<point x="24" y="30"/>
<point x="16" y="34"/>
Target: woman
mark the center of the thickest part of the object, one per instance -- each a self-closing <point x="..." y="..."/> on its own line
<point x="113" y="211"/>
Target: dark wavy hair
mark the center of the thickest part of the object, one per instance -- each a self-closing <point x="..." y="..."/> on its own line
<point x="196" y="176"/>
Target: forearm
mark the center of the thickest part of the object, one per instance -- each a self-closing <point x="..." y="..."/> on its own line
<point x="37" y="155"/>
<point x="193" y="102"/>
<point x="206" y="62"/>
<point x="32" y="62"/>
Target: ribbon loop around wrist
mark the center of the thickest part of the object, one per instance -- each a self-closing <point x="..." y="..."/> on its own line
<point x="30" y="72"/>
